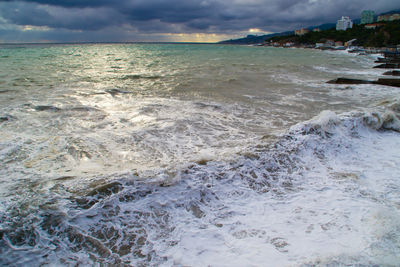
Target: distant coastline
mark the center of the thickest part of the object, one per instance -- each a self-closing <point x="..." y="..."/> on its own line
<point x="384" y="34"/>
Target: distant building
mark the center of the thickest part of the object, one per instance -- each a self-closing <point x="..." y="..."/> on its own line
<point x="316" y="30"/>
<point x="288" y="44"/>
<point x="338" y="43"/>
<point x="383" y="18"/>
<point x="396" y="16"/>
<point x="389" y="17"/>
<point x="301" y="31"/>
<point x="344" y="23"/>
<point x="373" y="25"/>
<point x="367" y="16"/>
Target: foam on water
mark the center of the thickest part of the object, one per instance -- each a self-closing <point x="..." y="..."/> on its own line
<point x="326" y="193"/>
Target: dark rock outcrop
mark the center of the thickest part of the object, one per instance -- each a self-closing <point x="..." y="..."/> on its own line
<point x="392" y="73"/>
<point x="388" y="66"/>
<point x="388" y="82"/>
<point x="387" y="60"/>
<point x="348" y="81"/>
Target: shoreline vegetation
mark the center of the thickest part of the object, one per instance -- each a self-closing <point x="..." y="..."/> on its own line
<point x="385" y="34"/>
<point x="378" y="34"/>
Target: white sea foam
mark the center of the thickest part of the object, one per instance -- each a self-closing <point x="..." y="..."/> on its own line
<point x="326" y="193"/>
<point x="343" y="208"/>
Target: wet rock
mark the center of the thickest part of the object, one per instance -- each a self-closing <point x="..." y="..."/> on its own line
<point x="388" y="66"/>
<point x="3" y="119"/>
<point x="391" y="55"/>
<point x="387" y="60"/>
<point x="6" y="118"/>
<point x="382" y="81"/>
<point x="388" y="82"/>
<point x="381" y="60"/>
<point x="98" y="194"/>
<point x="348" y="81"/>
<point x="23" y="236"/>
<point x="82" y="241"/>
<point x="393" y="73"/>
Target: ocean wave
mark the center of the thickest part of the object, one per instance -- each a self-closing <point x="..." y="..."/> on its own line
<point x="315" y="196"/>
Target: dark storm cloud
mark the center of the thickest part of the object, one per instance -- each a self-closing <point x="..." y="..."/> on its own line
<point x="166" y="16"/>
<point x="68" y="3"/>
<point x="65" y="18"/>
<point x="91" y="15"/>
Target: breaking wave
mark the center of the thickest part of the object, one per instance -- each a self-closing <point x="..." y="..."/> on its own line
<point x="326" y="192"/>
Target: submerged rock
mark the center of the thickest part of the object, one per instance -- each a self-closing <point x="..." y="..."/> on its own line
<point x="115" y="92"/>
<point x="83" y="109"/>
<point x="3" y="119"/>
<point x="46" y="108"/>
<point x="6" y="118"/>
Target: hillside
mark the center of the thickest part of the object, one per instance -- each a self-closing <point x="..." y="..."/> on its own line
<point x="386" y="35"/>
<point x="328" y="30"/>
<point x="254" y="39"/>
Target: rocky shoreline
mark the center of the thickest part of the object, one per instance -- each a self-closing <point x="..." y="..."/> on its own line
<point x="391" y="60"/>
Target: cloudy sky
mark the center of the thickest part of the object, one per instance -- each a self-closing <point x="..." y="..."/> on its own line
<point x="168" y="20"/>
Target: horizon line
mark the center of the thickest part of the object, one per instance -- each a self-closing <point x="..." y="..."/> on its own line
<point x="102" y="42"/>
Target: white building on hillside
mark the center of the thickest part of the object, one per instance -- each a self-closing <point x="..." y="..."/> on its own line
<point x="344" y="23"/>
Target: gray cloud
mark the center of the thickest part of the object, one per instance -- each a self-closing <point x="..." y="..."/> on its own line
<point x="125" y="18"/>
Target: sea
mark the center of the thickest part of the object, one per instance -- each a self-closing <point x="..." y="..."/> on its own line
<point x="196" y="155"/>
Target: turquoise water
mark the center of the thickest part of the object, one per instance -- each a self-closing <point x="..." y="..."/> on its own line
<point x="194" y="155"/>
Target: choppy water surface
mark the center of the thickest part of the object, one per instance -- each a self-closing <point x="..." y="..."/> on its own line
<point x="195" y="155"/>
